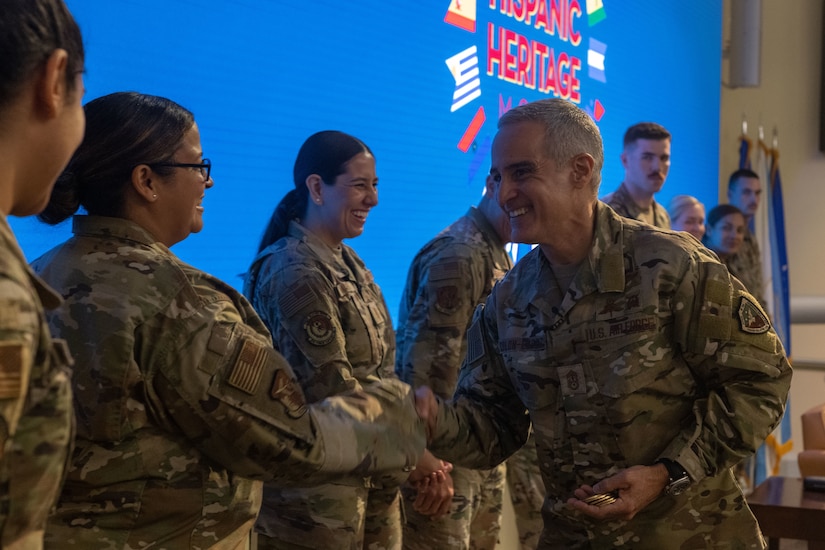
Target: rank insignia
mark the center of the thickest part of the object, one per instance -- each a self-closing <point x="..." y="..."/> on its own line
<point x="319" y="328"/>
<point x="572" y="380"/>
<point x="751" y="318"/>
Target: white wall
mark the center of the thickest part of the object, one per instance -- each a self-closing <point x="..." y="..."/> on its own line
<point x="788" y="98"/>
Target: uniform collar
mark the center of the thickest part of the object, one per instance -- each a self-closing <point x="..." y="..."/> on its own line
<point x="48" y="297"/>
<point x="491" y="236"/>
<point x="118" y="228"/>
<point x="601" y="271"/>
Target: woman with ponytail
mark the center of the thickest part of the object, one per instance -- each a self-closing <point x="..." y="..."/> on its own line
<point x="41" y="124"/>
<point x="182" y="405"/>
<point x="329" y="319"/>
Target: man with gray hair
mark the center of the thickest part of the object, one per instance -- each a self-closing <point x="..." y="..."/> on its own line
<point x="646" y="369"/>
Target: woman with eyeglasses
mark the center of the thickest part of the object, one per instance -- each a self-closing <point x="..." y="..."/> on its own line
<point x="183" y="407"/>
<point x="329" y="319"/>
<point x="41" y="124"/>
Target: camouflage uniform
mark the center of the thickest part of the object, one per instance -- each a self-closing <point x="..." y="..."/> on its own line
<point x="624" y="205"/>
<point x="35" y="401"/>
<point x="329" y="319"/>
<point x="655" y="351"/>
<point x="448" y="278"/>
<point x="182" y="405"/>
<point x="746" y="265"/>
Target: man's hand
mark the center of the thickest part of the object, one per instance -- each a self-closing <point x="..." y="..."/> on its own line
<point x="636" y="486"/>
<point x="435" y="495"/>
<point x="426" y="406"/>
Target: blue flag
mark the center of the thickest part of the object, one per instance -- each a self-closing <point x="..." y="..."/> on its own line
<point x="780" y="439"/>
<point x="770" y="230"/>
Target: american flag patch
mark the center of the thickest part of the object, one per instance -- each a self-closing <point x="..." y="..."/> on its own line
<point x="475" y="343"/>
<point x="11" y="368"/>
<point x="297" y="297"/>
<point x="246" y="373"/>
<point x="446" y="270"/>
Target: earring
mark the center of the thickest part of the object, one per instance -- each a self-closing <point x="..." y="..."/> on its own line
<point x="318" y="200"/>
<point x="154" y="196"/>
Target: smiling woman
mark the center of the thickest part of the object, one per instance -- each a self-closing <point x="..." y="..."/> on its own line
<point x="330" y="320"/>
<point x="182" y="406"/>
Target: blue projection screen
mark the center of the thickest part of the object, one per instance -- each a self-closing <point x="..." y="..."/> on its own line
<point x="422" y="83"/>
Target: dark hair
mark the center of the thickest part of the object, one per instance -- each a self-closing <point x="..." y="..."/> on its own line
<point x="568" y="131"/>
<point x="645" y="130"/>
<point x="720" y="211"/>
<point x="325" y="154"/>
<point x="30" y="30"/>
<point x="123" y="130"/>
<point x="740" y="174"/>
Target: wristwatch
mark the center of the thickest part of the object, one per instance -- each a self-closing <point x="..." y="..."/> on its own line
<point x="678" y="479"/>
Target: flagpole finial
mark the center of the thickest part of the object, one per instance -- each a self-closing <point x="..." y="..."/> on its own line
<point x="744" y="124"/>
<point x="775" y="140"/>
<point x="761" y="133"/>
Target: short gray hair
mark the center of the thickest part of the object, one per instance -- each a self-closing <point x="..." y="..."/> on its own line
<point x="569" y="131"/>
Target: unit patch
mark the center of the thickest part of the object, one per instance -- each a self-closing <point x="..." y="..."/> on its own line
<point x="751" y="318"/>
<point x="319" y="328"/>
<point x="286" y="391"/>
<point x="447" y="300"/>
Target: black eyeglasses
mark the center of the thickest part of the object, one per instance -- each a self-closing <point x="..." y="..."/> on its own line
<point x="205" y="166"/>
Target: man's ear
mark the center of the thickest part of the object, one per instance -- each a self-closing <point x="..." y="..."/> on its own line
<point x="314" y="185"/>
<point x="52" y="88"/>
<point x="583" y="166"/>
<point x="143" y="182"/>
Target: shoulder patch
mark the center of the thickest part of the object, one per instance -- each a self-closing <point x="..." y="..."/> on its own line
<point x="447" y="299"/>
<point x="285" y="390"/>
<point x="751" y="318"/>
<point x="475" y="342"/>
<point x="247" y="370"/>
<point x="296" y="298"/>
<point x="11" y="369"/>
<point x="319" y="328"/>
<point x="445" y="270"/>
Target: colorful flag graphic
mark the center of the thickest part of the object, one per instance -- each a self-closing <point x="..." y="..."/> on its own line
<point x="595" y="12"/>
<point x="595" y="60"/>
<point x="472" y="130"/>
<point x="462" y="14"/>
<point x="464" y="68"/>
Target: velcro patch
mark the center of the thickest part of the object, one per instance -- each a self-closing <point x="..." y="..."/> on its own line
<point x="447" y="299"/>
<point x="445" y="270"/>
<point x="751" y="318"/>
<point x="572" y="380"/>
<point x="475" y="343"/>
<point x="296" y="298"/>
<point x="11" y="369"/>
<point x="246" y="373"/>
<point x="286" y="391"/>
<point x="319" y="328"/>
<point x="524" y="343"/>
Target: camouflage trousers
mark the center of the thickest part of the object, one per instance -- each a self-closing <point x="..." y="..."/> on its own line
<point x="474" y="520"/>
<point x="526" y="489"/>
<point x="332" y="517"/>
